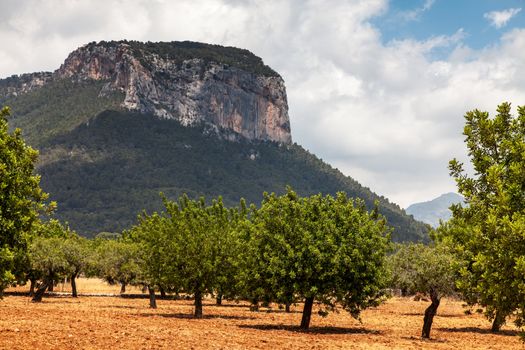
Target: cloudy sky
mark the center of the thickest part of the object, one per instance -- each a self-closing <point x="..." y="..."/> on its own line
<point x="377" y="88"/>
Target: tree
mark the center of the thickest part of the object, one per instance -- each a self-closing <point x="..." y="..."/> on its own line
<point x="324" y="249"/>
<point x="487" y="232"/>
<point x="424" y="269"/>
<point x="47" y="257"/>
<point x="47" y="260"/>
<point x="152" y="237"/>
<point x="117" y="262"/>
<point x="21" y="198"/>
<point x="77" y="253"/>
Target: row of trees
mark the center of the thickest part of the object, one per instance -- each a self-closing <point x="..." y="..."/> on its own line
<point x="328" y="250"/>
<point x="322" y="249"/>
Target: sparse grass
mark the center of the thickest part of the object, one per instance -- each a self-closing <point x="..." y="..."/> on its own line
<point x="118" y="323"/>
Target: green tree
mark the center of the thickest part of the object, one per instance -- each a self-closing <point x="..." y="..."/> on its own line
<point x="324" y="249"/>
<point x="47" y="257"/>
<point x="21" y="198"/>
<point x="487" y="232"/>
<point x="117" y="262"/>
<point x="153" y="239"/>
<point x="200" y="245"/>
<point x="424" y="269"/>
<point x="77" y="252"/>
<point x="47" y="261"/>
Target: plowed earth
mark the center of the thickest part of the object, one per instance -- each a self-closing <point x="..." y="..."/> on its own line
<point x="122" y="323"/>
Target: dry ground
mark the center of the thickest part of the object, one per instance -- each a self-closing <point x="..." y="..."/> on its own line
<point x="119" y="323"/>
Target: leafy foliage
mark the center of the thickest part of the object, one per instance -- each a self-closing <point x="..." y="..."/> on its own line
<point x="200" y="243"/>
<point x="318" y="248"/>
<point x="117" y="261"/>
<point x="21" y="198"/>
<point x="488" y="231"/>
<point x="417" y="268"/>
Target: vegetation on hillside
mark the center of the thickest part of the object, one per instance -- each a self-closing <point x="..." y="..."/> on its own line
<point x="180" y="51"/>
<point x="58" y="108"/>
<point x="105" y="171"/>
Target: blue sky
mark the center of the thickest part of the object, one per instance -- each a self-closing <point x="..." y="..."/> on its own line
<point x="376" y="88"/>
<point x="411" y="19"/>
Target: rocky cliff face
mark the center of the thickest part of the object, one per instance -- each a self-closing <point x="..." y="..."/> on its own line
<point x="15" y="85"/>
<point x="232" y="97"/>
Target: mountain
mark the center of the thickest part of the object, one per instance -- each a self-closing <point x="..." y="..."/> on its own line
<point x="120" y="122"/>
<point x="436" y="209"/>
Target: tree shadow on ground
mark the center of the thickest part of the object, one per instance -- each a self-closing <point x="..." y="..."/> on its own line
<point x="191" y="316"/>
<point x="506" y="332"/>
<point x="426" y="340"/>
<point x="311" y="330"/>
<point x="438" y="315"/>
<point x="240" y="306"/>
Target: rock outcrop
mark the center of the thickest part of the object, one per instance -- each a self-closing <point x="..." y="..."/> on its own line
<point x="21" y="84"/>
<point x="189" y="82"/>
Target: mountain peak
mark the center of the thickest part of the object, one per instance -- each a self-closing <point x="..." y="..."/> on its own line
<point x="431" y="212"/>
<point x="227" y="88"/>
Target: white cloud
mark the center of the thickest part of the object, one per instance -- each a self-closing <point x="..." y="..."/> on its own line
<point x="415" y="14"/>
<point x="387" y="114"/>
<point x="500" y="19"/>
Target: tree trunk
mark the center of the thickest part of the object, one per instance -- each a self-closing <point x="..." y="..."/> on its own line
<point x="255" y="305"/>
<point x="51" y="285"/>
<point x="74" y="285"/>
<point x="307" y="312"/>
<point x="122" y="288"/>
<point x="162" y="292"/>
<point x="40" y="291"/>
<point x="430" y="312"/>
<point x="219" y="299"/>
<point x="499" y="320"/>
<point x="152" y="300"/>
<point x="287" y="306"/>
<point x="32" y="287"/>
<point x="198" y="304"/>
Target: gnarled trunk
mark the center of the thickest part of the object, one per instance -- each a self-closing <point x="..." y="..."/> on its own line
<point x="430" y="312"/>
<point x="162" y="292"/>
<point x="32" y="287"/>
<point x="307" y="312"/>
<point x="152" y="300"/>
<point x="219" y="299"/>
<point x="287" y="306"/>
<point x="122" y="288"/>
<point x="498" y="322"/>
<point x="198" y="304"/>
<point x="255" y="305"/>
<point x="40" y="291"/>
<point x="74" y="285"/>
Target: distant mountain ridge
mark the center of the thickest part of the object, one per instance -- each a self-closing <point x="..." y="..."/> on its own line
<point x="434" y="210"/>
<point x="120" y="122"/>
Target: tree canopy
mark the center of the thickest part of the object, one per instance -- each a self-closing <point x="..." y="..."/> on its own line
<point x="418" y="268"/>
<point x="325" y="249"/>
<point x="487" y="232"/>
<point x="21" y="198"/>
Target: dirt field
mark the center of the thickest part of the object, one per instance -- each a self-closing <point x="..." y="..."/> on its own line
<point x="120" y="323"/>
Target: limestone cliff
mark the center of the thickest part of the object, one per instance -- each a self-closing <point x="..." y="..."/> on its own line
<point x="227" y="88"/>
